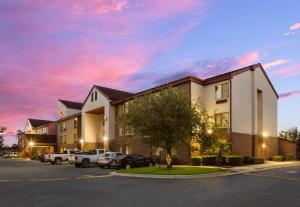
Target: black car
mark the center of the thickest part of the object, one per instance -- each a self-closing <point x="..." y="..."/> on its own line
<point x="131" y="161"/>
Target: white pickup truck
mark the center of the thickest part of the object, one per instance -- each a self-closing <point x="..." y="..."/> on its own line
<point x="89" y="158"/>
<point x="58" y="158"/>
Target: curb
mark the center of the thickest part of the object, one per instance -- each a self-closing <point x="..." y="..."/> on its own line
<point x="211" y="175"/>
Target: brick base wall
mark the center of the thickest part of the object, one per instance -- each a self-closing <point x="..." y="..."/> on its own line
<point x="287" y="147"/>
<point x="241" y="144"/>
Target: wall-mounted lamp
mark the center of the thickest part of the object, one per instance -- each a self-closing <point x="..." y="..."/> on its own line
<point x="105" y="118"/>
<point x="264" y="145"/>
<point x="81" y="141"/>
<point x="105" y="138"/>
<point x="31" y="143"/>
<point x="265" y="134"/>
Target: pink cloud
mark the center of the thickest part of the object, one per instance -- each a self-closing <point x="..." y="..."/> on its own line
<point x="290" y="94"/>
<point x="249" y="58"/>
<point x="295" y="26"/>
<point x="274" y="63"/>
<point x="59" y="49"/>
<point x="289" y="71"/>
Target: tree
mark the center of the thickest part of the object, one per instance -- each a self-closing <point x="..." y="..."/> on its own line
<point x="291" y="134"/>
<point x="163" y="119"/>
<point x="206" y="132"/>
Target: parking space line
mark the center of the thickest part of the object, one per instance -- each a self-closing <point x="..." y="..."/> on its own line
<point x="9" y="181"/>
<point x="49" y="179"/>
<point x="272" y="176"/>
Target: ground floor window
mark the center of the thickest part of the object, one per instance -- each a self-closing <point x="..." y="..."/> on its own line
<point x="222" y="119"/>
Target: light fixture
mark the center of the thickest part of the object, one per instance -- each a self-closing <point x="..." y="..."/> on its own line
<point x="31" y="143"/>
<point x="264" y="145"/>
<point x="105" y="118"/>
<point x="265" y="134"/>
<point x="105" y="138"/>
<point x="209" y="131"/>
<point x="81" y="141"/>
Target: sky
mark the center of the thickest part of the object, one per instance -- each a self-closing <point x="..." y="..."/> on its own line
<point x="58" y="49"/>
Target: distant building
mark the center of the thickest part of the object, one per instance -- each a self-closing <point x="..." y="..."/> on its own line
<point x="2" y="130"/>
<point x="39" y="136"/>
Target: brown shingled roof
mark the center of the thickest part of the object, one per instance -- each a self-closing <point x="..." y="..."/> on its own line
<point x="38" y="122"/>
<point x="113" y="94"/>
<point x="71" y="104"/>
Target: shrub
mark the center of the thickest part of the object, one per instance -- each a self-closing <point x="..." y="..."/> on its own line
<point x="196" y="161"/>
<point x="208" y="160"/>
<point x="277" y="158"/>
<point x="247" y="160"/>
<point x="257" y="160"/>
<point x="287" y="157"/>
<point x="234" y="160"/>
<point x="34" y="157"/>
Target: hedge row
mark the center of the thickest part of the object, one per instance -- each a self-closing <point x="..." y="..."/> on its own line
<point x="280" y="158"/>
<point x="231" y="160"/>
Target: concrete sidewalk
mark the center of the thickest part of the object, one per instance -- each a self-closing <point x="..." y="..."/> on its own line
<point x="266" y="166"/>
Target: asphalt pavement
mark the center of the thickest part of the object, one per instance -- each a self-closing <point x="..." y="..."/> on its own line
<point x="30" y="183"/>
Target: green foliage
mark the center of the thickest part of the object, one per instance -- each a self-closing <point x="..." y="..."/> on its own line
<point x="277" y="158"/>
<point x="234" y="160"/>
<point x="196" y="161"/>
<point x="291" y="134"/>
<point x="34" y="157"/>
<point x="287" y="157"/>
<point x="257" y="160"/>
<point x="162" y="119"/>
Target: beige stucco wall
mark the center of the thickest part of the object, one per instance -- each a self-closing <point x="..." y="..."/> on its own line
<point x="269" y="104"/>
<point x="69" y="131"/>
<point x="88" y="130"/>
<point x="242" y="103"/>
<point x="67" y="111"/>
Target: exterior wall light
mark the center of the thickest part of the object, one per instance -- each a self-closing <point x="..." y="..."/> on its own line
<point x="264" y="145"/>
<point x="81" y="141"/>
<point x="31" y="143"/>
<point x="105" y="138"/>
<point x="209" y="131"/>
<point x="105" y="118"/>
<point x="265" y="134"/>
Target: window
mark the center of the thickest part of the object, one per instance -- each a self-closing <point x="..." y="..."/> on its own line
<point x="128" y="131"/>
<point x="75" y="137"/>
<point x="65" y="139"/>
<point x="60" y="127"/>
<point x="96" y="94"/>
<point x="120" y="130"/>
<point x="126" y="107"/>
<point x="64" y="126"/>
<point x="92" y="96"/>
<point x="75" y="122"/>
<point x="60" y="138"/>
<point x="222" y="91"/>
<point x="222" y="120"/>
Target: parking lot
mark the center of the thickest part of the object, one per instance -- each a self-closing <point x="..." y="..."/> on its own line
<point x="31" y="183"/>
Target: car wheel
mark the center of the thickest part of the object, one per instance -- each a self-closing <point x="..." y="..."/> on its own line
<point x="57" y="161"/>
<point x="150" y="164"/>
<point x="127" y="166"/>
<point x="85" y="163"/>
<point x="77" y="165"/>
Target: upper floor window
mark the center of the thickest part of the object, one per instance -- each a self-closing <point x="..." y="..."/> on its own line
<point x="96" y="95"/>
<point x="222" y="120"/>
<point x="92" y="96"/>
<point x="61" y="113"/>
<point x="222" y="91"/>
<point x="75" y="122"/>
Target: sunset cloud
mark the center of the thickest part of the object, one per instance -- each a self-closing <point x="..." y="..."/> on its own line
<point x="274" y="63"/>
<point x="47" y="54"/>
<point x="295" y="26"/>
<point x="249" y="58"/>
<point x="289" y="71"/>
<point x="289" y="94"/>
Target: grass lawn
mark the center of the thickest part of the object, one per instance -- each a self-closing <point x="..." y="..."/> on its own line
<point x="163" y="170"/>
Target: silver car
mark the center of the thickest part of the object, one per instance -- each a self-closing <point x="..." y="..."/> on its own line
<point x="108" y="157"/>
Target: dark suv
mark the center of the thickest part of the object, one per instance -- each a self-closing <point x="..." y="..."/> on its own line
<point x="131" y="161"/>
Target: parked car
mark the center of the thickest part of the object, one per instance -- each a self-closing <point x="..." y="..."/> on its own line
<point x="43" y="157"/>
<point x="90" y="158"/>
<point x="5" y="155"/>
<point x="71" y="158"/>
<point x="13" y="155"/>
<point x="58" y="158"/>
<point x="131" y="161"/>
<point x="108" y="157"/>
